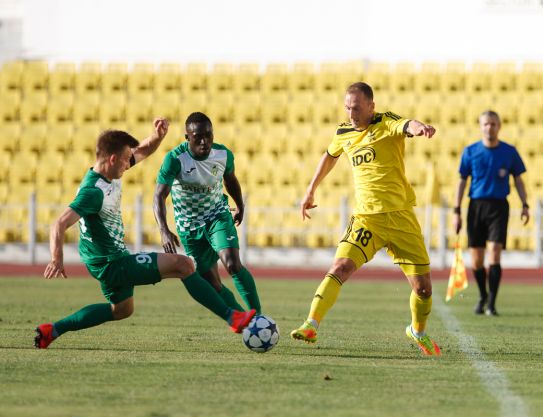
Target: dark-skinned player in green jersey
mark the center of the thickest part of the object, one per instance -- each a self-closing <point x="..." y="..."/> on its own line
<point x="193" y="173"/>
<point x="97" y="208"/>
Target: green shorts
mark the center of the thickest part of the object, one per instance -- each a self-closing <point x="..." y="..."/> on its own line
<point x="204" y="243"/>
<point x="118" y="278"/>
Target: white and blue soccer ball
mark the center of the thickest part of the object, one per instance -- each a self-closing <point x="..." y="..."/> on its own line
<point x="262" y="334"/>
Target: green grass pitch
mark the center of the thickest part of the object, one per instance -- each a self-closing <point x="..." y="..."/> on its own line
<point x="173" y="358"/>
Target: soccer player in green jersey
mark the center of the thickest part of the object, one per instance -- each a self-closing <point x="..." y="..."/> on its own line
<point x="97" y="208"/>
<point x="194" y="173"/>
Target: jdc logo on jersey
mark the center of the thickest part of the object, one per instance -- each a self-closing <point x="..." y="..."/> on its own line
<point x="365" y="155"/>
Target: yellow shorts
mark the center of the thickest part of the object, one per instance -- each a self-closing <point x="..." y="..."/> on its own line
<point x="398" y="231"/>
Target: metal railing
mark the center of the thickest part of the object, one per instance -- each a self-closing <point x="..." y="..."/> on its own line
<point x="435" y="223"/>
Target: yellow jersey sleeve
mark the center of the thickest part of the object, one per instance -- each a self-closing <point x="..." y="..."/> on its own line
<point x="396" y="125"/>
<point x="337" y="146"/>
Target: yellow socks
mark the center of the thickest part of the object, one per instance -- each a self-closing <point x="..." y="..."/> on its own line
<point x="420" y="310"/>
<point x="325" y="297"/>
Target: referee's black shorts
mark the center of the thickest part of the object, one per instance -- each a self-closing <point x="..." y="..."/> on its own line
<point x="487" y="221"/>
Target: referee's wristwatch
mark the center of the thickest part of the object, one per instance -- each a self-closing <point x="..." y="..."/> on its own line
<point x="456" y="210"/>
<point x="525" y="206"/>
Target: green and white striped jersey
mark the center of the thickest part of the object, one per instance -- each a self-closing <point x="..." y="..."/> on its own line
<point x="196" y="184"/>
<point x="98" y="202"/>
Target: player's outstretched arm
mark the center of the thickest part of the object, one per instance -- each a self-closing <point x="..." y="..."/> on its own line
<point x="457" y="215"/>
<point x="151" y="144"/>
<point x="55" y="268"/>
<point x="521" y="190"/>
<point x="417" y="128"/>
<point x="326" y="164"/>
<point x="169" y="239"/>
<point x="233" y="188"/>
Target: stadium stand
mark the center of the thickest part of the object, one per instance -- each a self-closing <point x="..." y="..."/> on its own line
<point x="278" y="121"/>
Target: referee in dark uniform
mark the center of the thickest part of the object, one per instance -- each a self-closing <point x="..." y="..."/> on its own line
<point x="489" y="163"/>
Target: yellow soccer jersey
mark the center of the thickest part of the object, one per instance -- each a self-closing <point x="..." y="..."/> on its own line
<point x="376" y="155"/>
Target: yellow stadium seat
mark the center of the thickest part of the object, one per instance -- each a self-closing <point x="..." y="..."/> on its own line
<point x="49" y="193"/>
<point x="454" y="77"/>
<point x="530" y="78"/>
<point x="530" y="109"/>
<point x="49" y="169"/>
<point x="301" y="78"/>
<point x="248" y="109"/>
<point x="263" y="167"/>
<point x="139" y="108"/>
<point x="195" y="101"/>
<point x="35" y="76"/>
<point x="73" y="171"/>
<point x="353" y="71"/>
<point x="299" y="140"/>
<point x="478" y="79"/>
<point x="221" y="78"/>
<point x="11" y="75"/>
<point x="33" y="107"/>
<point x="10" y="136"/>
<point x="453" y="109"/>
<point x="62" y="78"/>
<point x="274" y="140"/>
<point x="85" y="138"/>
<point x="287" y="171"/>
<point x="86" y="108"/>
<point x="274" y="78"/>
<point x="112" y="109"/>
<point x="22" y="169"/>
<point x="506" y="104"/>
<point x="141" y="78"/>
<point x="10" y="106"/>
<point x="194" y="78"/>
<point x="4" y="189"/>
<point x="504" y="77"/>
<point x="249" y="139"/>
<point x="60" y="109"/>
<point x="327" y="78"/>
<point x="242" y="166"/>
<point x="88" y="77"/>
<point x="166" y="104"/>
<point x="377" y="76"/>
<point x="326" y="108"/>
<point x="247" y="78"/>
<point x="114" y="77"/>
<point x="429" y="108"/>
<point x="274" y="108"/>
<point x="300" y="109"/>
<point x="33" y="138"/>
<point x="477" y="104"/>
<point x="221" y="108"/>
<point x="404" y="104"/>
<point x="402" y="79"/>
<point x="168" y="78"/>
<point x="428" y="79"/>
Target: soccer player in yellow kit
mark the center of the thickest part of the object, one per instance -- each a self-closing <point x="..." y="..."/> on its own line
<point x="383" y="216"/>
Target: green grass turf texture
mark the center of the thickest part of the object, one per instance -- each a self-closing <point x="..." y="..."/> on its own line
<point x="174" y="358"/>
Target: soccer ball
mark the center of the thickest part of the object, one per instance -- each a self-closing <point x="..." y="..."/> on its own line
<point x="262" y="334"/>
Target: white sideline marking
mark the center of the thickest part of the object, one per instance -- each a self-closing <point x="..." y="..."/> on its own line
<point x="492" y="378"/>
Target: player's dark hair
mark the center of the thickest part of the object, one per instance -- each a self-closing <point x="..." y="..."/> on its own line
<point x="197" y="117"/>
<point x="362" y="88"/>
<point x="490" y="113"/>
<point x="112" y="142"/>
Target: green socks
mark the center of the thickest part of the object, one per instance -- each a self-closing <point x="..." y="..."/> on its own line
<point x="245" y="284"/>
<point x="89" y="316"/>
<point x="229" y="299"/>
<point x="205" y="294"/>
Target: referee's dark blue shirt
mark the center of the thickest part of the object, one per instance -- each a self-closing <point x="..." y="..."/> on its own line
<point x="490" y="168"/>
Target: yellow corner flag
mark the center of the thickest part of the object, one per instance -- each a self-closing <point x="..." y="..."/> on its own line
<point x="458" y="280"/>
